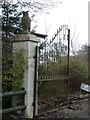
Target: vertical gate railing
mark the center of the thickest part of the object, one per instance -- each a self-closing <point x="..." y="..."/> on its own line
<point x="52" y="70"/>
<point x="54" y="56"/>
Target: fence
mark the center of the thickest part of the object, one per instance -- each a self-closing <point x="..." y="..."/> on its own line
<point x="16" y="106"/>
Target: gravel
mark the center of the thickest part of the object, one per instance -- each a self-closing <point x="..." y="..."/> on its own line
<point x="78" y="109"/>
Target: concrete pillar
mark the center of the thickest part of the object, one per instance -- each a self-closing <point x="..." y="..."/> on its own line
<point x="28" y="42"/>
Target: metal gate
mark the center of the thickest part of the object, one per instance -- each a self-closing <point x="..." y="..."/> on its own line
<point x="53" y="70"/>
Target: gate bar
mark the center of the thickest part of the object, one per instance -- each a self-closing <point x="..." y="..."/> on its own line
<point x="35" y="82"/>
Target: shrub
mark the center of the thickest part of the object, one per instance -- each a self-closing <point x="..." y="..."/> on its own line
<point x="12" y="78"/>
<point x="78" y="73"/>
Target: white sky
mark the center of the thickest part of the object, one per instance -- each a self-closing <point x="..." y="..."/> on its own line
<point x="71" y="12"/>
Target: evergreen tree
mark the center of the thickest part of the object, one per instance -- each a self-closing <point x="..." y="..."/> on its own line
<point x="10" y="20"/>
<point x="10" y="26"/>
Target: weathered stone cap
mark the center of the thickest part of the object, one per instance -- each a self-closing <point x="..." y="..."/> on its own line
<point x="24" y="37"/>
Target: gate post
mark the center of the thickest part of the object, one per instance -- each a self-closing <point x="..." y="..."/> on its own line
<point x="28" y="42"/>
<point x="89" y="55"/>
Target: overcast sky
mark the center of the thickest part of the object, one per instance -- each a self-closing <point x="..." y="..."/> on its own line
<point x="71" y="12"/>
<point x="74" y="13"/>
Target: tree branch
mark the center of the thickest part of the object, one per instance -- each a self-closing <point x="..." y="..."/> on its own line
<point x="37" y="6"/>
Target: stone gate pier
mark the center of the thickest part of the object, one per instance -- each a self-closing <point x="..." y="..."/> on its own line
<point x="28" y="42"/>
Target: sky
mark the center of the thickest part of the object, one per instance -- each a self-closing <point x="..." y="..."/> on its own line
<point x="73" y="13"/>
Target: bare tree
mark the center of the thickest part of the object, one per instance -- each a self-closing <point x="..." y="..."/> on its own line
<point x="38" y="5"/>
<point x="74" y="42"/>
<point x="35" y="5"/>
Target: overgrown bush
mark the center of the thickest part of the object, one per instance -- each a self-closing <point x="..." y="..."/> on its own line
<point x="53" y="69"/>
<point x="78" y="73"/>
<point x="51" y="92"/>
<point x="12" y="78"/>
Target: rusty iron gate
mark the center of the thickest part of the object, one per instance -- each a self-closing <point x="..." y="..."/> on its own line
<point x="52" y="72"/>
